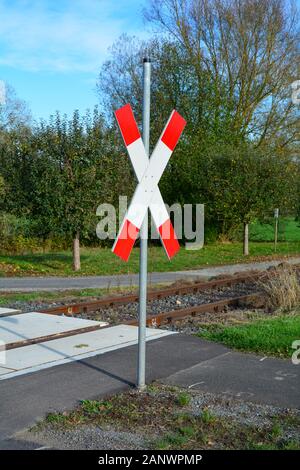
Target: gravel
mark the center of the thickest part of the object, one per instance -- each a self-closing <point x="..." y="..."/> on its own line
<point x="243" y="412"/>
<point x="228" y="316"/>
<point x="106" y="438"/>
<point x="129" y="311"/>
<point x="86" y="437"/>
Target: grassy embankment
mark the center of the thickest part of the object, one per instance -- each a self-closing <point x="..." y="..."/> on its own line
<point x="98" y="261"/>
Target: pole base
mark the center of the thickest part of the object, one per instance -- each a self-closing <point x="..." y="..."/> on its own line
<point x="141" y="388"/>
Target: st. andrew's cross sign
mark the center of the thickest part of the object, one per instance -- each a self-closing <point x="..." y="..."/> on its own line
<point x="148" y="173"/>
<point x="147" y="195"/>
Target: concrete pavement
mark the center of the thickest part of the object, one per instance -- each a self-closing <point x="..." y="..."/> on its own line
<point x="29" y="284"/>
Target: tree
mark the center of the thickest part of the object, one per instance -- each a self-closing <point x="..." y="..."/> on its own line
<point x="250" y="50"/>
<point x="15" y="159"/>
<point x="70" y="175"/>
<point x="15" y="141"/>
<point x="227" y="66"/>
<point x="1" y="186"/>
<point x="14" y="112"/>
<point x="245" y="183"/>
<point x="74" y="168"/>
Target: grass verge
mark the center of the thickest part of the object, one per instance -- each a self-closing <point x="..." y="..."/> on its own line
<point x="272" y="336"/>
<point x="101" y="261"/>
<point x="66" y="296"/>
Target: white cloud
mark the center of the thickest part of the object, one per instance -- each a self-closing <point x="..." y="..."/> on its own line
<point x="61" y="35"/>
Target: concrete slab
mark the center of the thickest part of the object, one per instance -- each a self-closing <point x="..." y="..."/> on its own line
<point x="73" y="348"/>
<point x="34" y="325"/>
<point x="8" y="311"/>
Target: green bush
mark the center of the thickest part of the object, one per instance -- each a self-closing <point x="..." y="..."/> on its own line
<point x="19" y="236"/>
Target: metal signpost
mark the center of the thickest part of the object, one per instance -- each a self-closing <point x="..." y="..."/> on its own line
<point x="141" y="372"/>
<point x="146" y="195"/>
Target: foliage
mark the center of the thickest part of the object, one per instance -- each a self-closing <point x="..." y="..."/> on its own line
<point x="2" y="187"/>
<point x="237" y="154"/>
<point x="226" y="66"/>
<point x="273" y="336"/>
<point x="59" y="173"/>
<point x="263" y="230"/>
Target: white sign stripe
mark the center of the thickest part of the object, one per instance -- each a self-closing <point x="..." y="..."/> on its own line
<point x="140" y="161"/>
<point x="144" y="192"/>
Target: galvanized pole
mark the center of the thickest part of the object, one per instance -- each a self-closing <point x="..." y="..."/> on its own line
<point x="144" y="236"/>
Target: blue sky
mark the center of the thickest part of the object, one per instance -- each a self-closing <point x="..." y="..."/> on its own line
<point x="51" y="50"/>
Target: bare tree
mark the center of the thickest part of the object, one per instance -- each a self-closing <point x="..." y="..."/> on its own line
<point x="14" y="112"/>
<point x="250" y="48"/>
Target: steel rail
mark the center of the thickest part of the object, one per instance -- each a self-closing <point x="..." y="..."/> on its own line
<point x="170" y="316"/>
<point x="91" y="306"/>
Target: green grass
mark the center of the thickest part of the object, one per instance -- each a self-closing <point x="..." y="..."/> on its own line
<point x="70" y="295"/>
<point x="273" y="336"/>
<point x="288" y="230"/>
<point x="183" y="399"/>
<point x="98" y="261"/>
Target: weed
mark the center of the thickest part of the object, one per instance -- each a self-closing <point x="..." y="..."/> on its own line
<point x="207" y="417"/>
<point x="281" y="287"/>
<point x="276" y="430"/>
<point x="183" y="399"/>
<point x="172" y="440"/>
<point x="56" y="418"/>
<point x="93" y="407"/>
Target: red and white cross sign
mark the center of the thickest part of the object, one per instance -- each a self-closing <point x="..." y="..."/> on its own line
<point x="148" y="173"/>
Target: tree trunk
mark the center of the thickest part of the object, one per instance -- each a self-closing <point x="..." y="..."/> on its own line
<point x="76" y="252"/>
<point x="246" y="239"/>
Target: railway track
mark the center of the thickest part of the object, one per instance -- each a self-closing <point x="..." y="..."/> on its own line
<point x="168" y="317"/>
<point x="89" y="309"/>
<point x="153" y="321"/>
<point x="113" y="301"/>
<point x="199" y="298"/>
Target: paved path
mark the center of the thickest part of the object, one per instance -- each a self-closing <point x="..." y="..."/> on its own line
<point x="28" y="284"/>
<point x="178" y="359"/>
